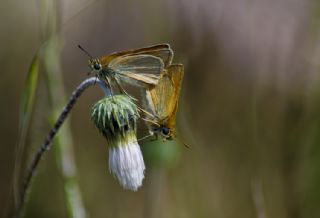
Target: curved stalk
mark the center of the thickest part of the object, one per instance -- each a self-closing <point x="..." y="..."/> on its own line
<point x="47" y="143"/>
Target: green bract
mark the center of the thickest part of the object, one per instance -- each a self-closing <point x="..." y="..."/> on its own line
<point x="115" y="117"/>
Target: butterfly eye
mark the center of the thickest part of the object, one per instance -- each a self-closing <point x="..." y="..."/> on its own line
<point x="96" y="66"/>
<point x="165" y="131"/>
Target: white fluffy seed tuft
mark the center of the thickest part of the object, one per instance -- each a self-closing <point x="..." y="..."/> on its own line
<point x="127" y="165"/>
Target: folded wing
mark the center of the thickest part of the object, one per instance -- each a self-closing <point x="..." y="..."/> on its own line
<point x="162" y="99"/>
<point x="138" y="69"/>
<point x="162" y="51"/>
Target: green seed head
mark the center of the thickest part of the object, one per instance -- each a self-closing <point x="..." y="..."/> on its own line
<point x="115" y="117"/>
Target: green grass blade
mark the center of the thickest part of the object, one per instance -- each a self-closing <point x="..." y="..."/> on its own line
<point x="26" y="108"/>
<point x="27" y="100"/>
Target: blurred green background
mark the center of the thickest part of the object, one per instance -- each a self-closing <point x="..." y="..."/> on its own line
<point x="250" y="106"/>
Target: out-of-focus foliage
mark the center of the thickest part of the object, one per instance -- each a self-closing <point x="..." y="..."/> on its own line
<point x="26" y="107"/>
<point x="29" y="92"/>
<point x="249" y="107"/>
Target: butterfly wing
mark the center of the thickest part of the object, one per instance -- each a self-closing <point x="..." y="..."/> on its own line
<point x="162" y="51"/>
<point x="176" y="73"/>
<point x="165" y="55"/>
<point x="138" y="69"/>
<point x="162" y="99"/>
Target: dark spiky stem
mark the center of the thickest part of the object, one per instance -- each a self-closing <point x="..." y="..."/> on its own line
<point x="47" y="143"/>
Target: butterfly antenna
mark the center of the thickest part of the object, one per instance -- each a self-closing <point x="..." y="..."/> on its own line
<point x="85" y="51"/>
<point x="150" y="121"/>
<point x="183" y="142"/>
<point x="145" y="137"/>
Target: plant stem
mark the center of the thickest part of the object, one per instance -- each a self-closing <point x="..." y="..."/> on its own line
<point x="47" y="143"/>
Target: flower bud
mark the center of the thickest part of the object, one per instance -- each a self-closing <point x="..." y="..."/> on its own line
<point x="115" y="117"/>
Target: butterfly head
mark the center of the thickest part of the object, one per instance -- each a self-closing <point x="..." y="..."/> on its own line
<point x="95" y="65"/>
<point x="165" y="132"/>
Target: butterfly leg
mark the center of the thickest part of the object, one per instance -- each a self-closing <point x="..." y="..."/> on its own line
<point x="122" y="89"/>
<point x="155" y="138"/>
<point x="95" y="81"/>
<point x="145" y="137"/>
<point x="147" y="113"/>
<point x="109" y="84"/>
